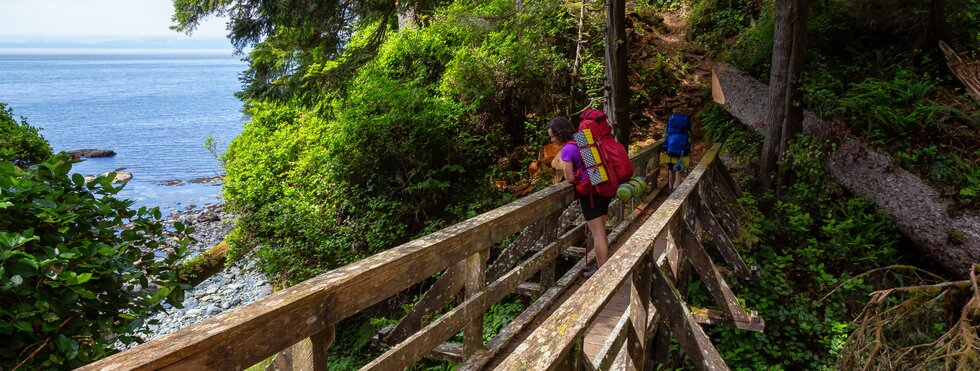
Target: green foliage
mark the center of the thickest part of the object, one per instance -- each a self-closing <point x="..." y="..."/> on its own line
<point x="712" y="22"/>
<point x="752" y="49"/>
<point x="20" y="143"/>
<point x="410" y="146"/>
<point x="72" y="282"/>
<point x="721" y="127"/>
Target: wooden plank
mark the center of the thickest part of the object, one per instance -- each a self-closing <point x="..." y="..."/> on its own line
<point x="475" y="283"/>
<point x="412" y="349"/>
<point x="479" y="360"/>
<point x="448" y="352"/>
<point x="719" y="318"/>
<point x="513" y="253"/>
<point x="723" y="244"/>
<point x="554" y="338"/>
<point x="723" y="180"/>
<point x="685" y="329"/>
<point x="720" y="210"/>
<point x="432" y="302"/>
<point x="311" y="353"/>
<point x="639" y="304"/>
<point x="611" y="346"/>
<point x="239" y="338"/>
<point x="711" y="278"/>
<point x="529" y="289"/>
<point x="551" y="228"/>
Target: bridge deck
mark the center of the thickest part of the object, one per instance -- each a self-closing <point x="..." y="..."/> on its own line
<point x="595" y="337"/>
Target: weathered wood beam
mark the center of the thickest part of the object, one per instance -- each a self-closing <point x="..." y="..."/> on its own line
<point x="475" y="283"/>
<point x="617" y="337"/>
<point x="513" y="253"/>
<point x="480" y="360"/>
<point x="723" y="244"/>
<point x="639" y="306"/>
<point x="712" y="279"/>
<point x="555" y="338"/>
<point x="431" y="303"/>
<point x="718" y="318"/>
<point x="412" y="349"/>
<point x="311" y="353"/>
<point x="689" y="334"/>
<point x="239" y="338"/>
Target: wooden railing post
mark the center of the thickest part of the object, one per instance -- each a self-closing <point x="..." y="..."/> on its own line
<point x="639" y="307"/>
<point x="311" y="353"/>
<point x="475" y="283"/>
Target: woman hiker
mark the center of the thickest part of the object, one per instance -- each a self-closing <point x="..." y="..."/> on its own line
<point x="594" y="207"/>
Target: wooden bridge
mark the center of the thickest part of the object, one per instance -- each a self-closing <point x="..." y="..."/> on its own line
<point x="620" y="318"/>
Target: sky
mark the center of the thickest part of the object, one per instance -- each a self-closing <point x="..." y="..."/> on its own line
<point x="29" y="23"/>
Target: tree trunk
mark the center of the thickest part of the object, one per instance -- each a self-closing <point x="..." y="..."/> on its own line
<point x="952" y="241"/>
<point x="406" y="14"/>
<point x="784" y="117"/>
<point x="617" y="64"/>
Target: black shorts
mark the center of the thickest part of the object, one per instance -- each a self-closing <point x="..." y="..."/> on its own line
<point x="594" y="206"/>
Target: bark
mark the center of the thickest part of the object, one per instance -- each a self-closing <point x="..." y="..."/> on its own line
<point x="204" y="265"/>
<point x="952" y="241"/>
<point x="785" y="115"/>
<point x="617" y="64"/>
<point x="406" y="14"/>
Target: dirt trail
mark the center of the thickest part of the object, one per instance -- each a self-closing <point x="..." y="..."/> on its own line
<point x="668" y="33"/>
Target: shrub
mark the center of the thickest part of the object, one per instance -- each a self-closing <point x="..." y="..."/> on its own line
<point x="411" y="145"/>
<point x="20" y="143"/>
<point x="73" y="281"/>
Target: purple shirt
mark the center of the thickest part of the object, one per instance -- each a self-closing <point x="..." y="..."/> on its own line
<point x="570" y="153"/>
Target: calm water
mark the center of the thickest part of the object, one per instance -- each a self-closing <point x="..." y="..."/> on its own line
<point x="154" y="109"/>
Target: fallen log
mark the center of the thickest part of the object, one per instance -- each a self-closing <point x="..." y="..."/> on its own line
<point x="953" y="242"/>
<point x="197" y="269"/>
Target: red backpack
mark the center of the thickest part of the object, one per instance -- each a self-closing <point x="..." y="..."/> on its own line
<point x="614" y="157"/>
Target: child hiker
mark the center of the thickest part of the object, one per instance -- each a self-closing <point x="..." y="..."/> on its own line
<point x="677" y="149"/>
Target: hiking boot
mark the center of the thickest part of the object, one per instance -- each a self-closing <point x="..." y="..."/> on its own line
<point x="589" y="270"/>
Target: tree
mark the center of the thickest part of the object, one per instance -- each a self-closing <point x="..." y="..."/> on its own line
<point x="785" y="119"/>
<point x="617" y="64"/>
<point x="293" y="39"/>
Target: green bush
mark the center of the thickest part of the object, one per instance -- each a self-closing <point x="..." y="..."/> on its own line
<point x="411" y="145"/>
<point x="73" y="281"/>
<point x="20" y="143"/>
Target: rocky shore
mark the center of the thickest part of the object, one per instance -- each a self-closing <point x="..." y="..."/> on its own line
<point x="234" y="286"/>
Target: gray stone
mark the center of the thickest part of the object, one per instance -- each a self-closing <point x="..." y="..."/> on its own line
<point x="193" y="312"/>
<point x="213" y="309"/>
<point x="264" y="290"/>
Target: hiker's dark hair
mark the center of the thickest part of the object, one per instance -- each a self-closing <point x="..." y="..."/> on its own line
<point x="562" y="128"/>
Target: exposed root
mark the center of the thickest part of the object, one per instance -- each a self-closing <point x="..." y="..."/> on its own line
<point x="900" y="329"/>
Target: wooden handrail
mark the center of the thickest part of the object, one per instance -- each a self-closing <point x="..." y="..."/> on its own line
<point x="242" y="337"/>
<point x="554" y="339"/>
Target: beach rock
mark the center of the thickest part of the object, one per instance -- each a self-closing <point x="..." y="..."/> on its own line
<point x="206" y="179"/>
<point x="121" y="177"/>
<point x="93" y="153"/>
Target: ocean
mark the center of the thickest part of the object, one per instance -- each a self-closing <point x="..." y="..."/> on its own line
<point x="153" y="108"/>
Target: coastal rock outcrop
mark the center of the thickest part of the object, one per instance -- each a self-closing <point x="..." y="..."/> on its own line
<point x="93" y="153"/>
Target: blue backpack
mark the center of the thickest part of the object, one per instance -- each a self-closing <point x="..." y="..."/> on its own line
<point x="677" y="142"/>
